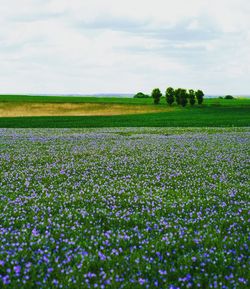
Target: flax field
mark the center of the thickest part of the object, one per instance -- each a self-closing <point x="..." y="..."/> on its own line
<point x="124" y="208"/>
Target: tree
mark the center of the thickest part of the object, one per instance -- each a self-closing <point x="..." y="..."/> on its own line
<point x="170" y="95"/>
<point x="199" y="96"/>
<point x="156" y="94"/>
<point x="183" y="97"/>
<point x="191" y="97"/>
<point x="229" y="97"/>
<point x="177" y="94"/>
<point x="141" y="95"/>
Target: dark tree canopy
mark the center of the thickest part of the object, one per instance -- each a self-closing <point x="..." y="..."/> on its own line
<point x="141" y="95"/>
<point x="229" y="97"/>
<point x="199" y="95"/>
<point x="177" y="94"/>
<point x="191" y="97"/>
<point x="183" y="97"/>
<point x="156" y="94"/>
<point x="170" y="95"/>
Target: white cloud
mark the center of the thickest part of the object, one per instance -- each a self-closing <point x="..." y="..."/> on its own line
<point x="59" y="46"/>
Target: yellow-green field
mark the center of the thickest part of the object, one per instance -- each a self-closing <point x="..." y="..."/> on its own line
<point x="18" y="109"/>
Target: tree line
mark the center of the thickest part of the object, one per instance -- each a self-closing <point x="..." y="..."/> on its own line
<point x="180" y="96"/>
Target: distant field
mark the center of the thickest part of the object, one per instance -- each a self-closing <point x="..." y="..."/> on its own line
<point x="51" y="111"/>
<point x="16" y="109"/>
<point x="116" y="100"/>
<point x="206" y="117"/>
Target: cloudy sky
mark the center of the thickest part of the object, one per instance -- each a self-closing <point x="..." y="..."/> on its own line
<point x="97" y="46"/>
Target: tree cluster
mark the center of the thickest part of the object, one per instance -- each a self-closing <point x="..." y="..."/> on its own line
<point x="180" y="96"/>
<point x="226" y="97"/>
<point x="141" y="95"/>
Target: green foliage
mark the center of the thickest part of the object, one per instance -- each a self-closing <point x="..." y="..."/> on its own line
<point x="177" y="94"/>
<point x="183" y="97"/>
<point x="141" y="95"/>
<point x="229" y="97"/>
<point x="170" y="95"/>
<point x="191" y="97"/>
<point x="156" y="94"/>
<point x="199" y="96"/>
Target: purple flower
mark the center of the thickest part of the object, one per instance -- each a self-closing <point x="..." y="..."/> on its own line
<point x="35" y="232"/>
<point x="90" y="275"/>
<point x="2" y="263"/>
<point x="163" y="272"/>
<point x="28" y="265"/>
<point x="242" y="280"/>
<point x="141" y="281"/>
<point x="55" y="282"/>
<point x="17" y="269"/>
<point x="173" y="287"/>
<point x="102" y="256"/>
<point x="186" y="278"/>
<point x="6" y="280"/>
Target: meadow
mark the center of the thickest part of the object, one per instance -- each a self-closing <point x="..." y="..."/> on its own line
<point x="75" y="112"/>
<point x="239" y="101"/>
<point x="124" y="208"/>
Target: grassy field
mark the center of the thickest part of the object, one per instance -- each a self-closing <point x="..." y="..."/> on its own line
<point x="117" y="100"/>
<point x="187" y="117"/>
<point x="124" y="208"/>
<point x="132" y="112"/>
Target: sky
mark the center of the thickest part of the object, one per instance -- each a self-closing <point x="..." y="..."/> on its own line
<point x="118" y="46"/>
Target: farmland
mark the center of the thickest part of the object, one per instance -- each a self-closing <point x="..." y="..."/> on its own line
<point x="76" y="112"/>
<point x="124" y="208"/>
<point x="23" y="109"/>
